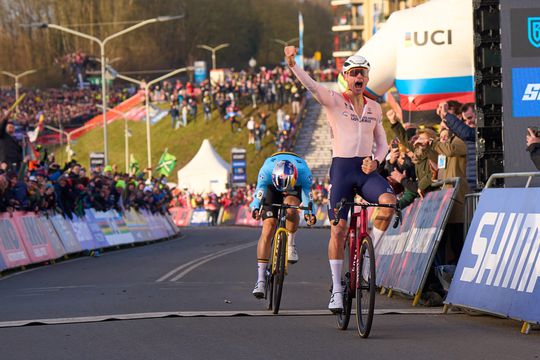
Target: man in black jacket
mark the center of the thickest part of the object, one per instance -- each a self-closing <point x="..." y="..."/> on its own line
<point x="10" y="149"/>
<point x="533" y="146"/>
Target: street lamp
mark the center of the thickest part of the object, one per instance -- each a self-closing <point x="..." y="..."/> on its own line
<point x="126" y="135"/>
<point x="102" y="44"/>
<point x="147" y="105"/>
<point x="17" y="84"/>
<point x="68" y="136"/>
<point x="213" y="50"/>
<point x="286" y="43"/>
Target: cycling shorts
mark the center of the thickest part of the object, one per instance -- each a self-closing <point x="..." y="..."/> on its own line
<point x="347" y="179"/>
<point x="274" y="196"/>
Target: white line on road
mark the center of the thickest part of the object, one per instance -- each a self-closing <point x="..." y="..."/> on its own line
<point x="158" y="315"/>
<point x="202" y="260"/>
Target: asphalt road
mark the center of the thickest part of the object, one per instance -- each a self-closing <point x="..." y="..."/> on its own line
<point x="190" y="298"/>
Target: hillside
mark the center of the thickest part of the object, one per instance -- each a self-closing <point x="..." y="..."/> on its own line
<point x="183" y="142"/>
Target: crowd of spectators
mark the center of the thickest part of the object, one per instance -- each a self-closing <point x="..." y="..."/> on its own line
<point x="71" y="189"/>
<point x="66" y="106"/>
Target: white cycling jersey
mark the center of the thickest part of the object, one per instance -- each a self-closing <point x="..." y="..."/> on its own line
<point x="353" y="134"/>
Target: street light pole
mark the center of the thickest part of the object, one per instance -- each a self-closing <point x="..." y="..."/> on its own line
<point x="286" y="43"/>
<point x="126" y="136"/>
<point x="147" y="106"/>
<point x="17" y="84"/>
<point x="102" y="44"/>
<point x="213" y="50"/>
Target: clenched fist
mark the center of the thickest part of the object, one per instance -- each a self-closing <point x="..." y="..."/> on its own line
<point x="290" y="53"/>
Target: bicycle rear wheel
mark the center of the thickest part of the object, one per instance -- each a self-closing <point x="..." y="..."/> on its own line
<point x="279" y="272"/>
<point x="365" y="287"/>
<point x="344" y="317"/>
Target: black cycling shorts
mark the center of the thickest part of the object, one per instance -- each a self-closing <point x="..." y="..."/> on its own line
<point x="274" y="196"/>
<point x="346" y="176"/>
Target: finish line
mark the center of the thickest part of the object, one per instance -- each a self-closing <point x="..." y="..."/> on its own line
<point x="181" y="314"/>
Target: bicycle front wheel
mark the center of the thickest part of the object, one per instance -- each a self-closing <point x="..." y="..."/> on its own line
<point x="344" y="317"/>
<point x="365" y="287"/>
<point x="279" y="271"/>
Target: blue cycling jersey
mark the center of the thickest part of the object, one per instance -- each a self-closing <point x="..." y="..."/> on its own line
<point x="304" y="181"/>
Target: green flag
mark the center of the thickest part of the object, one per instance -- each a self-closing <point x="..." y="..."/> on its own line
<point x="166" y="164"/>
<point x="133" y="164"/>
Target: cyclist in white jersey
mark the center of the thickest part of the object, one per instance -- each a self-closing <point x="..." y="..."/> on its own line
<point x="358" y="146"/>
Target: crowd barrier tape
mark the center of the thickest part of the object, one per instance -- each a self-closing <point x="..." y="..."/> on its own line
<point x="404" y="255"/>
<point x="499" y="266"/>
<point x="12" y="249"/>
<point x="27" y="238"/>
<point x="38" y="246"/>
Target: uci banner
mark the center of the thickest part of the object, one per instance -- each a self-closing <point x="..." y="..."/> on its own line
<point x="499" y="267"/>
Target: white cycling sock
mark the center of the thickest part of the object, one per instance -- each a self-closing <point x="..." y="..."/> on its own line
<point x="376" y="235"/>
<point x="291" y="238"/>
<point x="336" y="266"/>
<point x="261" y="271"/>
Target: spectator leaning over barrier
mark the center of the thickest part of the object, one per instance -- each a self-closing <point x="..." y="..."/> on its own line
<point x="533" y="145"/>
<point x="421" y="158"/>
<point x="452" y="163"/>
<point x="465" y="129"/>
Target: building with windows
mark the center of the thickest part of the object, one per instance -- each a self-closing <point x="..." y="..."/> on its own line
<point x="355" y="22"/>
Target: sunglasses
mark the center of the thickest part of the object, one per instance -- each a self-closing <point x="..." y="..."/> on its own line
<point x="354" y="72"/>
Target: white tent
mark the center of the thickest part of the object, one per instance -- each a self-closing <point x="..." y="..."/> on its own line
<point x="207" y="171"/>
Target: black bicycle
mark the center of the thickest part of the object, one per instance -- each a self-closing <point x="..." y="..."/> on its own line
<point x="359" y="277"/>
<point x="277" y="267"/>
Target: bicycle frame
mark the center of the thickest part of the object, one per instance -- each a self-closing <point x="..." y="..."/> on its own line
<point x="354" y="244"/>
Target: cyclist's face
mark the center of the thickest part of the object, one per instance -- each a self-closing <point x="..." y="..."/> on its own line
<point x="357" y="79"/>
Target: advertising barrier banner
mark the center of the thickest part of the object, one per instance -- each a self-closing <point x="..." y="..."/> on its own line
<point x="38" y="246"/>
<point x="48" y="230"/>
<point x="389" y="249"/>
<point x="499" y="266"/>
<point x="137" y="225"/>
<point x="199" y="217"/>
<point x="228" y="215"/>
<point x="243" y="217"/>
<point x="83" y="234"/>
<point x="404" y="255"/>
<point x="112" y="226"/>
<point x="65" y="233"/>
<point x="181" y="216"/>
<point x="3" y="265"/>
<point x="12" y="249"/>
<point x="424" y="238"/>
<point x="156" y="228"/>
<point x="172" y="225"/>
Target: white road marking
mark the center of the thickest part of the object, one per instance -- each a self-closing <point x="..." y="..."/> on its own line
<point x="200" y="261"/>
<point x="158" y="315"/>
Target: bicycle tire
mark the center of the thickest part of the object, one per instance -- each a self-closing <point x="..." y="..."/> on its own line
<point x="344" y="317"/>
<point x="269" y="287"/>
<point x="279" y="273"/>
<point x="365" y="288"/>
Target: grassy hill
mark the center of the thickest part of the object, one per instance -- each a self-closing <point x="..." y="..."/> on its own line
<point x="183" y="142"/>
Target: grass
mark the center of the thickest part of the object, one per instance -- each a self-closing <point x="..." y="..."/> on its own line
<point x="183" y="142"/>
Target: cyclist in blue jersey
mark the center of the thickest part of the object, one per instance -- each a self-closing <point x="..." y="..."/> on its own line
<point x="283" y="178"/>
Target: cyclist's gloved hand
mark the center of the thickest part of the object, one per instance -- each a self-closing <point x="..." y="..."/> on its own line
<point x="255" y="214"/>
<point x="310" y="219"/>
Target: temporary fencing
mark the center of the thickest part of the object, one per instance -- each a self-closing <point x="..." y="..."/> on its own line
<point x="499" y="266"/>
<point x="27" y="238"/>
<point x="404" y="255"/>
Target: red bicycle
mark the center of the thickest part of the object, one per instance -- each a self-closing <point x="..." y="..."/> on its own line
<point x="359" y="277"/>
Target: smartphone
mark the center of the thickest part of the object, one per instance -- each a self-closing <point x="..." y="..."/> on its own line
<point x="394" y="144"/>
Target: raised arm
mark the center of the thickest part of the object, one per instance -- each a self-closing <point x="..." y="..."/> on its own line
<point x="321" y="93"/>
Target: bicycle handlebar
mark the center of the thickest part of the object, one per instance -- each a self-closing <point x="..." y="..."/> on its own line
<point x="343" y="202"/>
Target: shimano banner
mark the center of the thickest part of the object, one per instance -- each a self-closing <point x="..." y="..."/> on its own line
<point x="499" y="267"/>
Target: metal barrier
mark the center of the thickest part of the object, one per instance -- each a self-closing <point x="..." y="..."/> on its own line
<point x="471" y="200"/>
